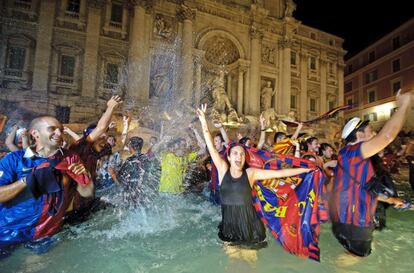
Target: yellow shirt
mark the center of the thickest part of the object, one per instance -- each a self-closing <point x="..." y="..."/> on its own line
<point x="173" y="169"/>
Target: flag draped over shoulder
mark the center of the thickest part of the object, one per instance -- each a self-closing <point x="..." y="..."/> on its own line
<point x="292" y="208"/>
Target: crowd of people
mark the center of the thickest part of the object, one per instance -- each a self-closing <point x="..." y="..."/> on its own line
<point x="53" y="176"/>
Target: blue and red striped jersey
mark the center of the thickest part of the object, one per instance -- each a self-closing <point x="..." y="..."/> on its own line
<point x="351" y="203"/>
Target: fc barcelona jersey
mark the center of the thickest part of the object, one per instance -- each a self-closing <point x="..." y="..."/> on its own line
<point x="351" y="203"/>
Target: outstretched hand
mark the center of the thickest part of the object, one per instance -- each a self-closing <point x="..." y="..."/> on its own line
<point x="114" y="101"/>
<point x="262" y="122"/>
<point x="201" y="112"/>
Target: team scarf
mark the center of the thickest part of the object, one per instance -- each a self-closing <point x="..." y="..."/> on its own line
<point x="292" y="208"/>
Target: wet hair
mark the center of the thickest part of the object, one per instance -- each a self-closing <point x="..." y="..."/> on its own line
<point x="136" y="143"/>
<point x="244" y="140"/>
<point x="323" y="147"/>
<point x="220" y="136"/>
<point x="308" y="141"/>
<point x="352" y="136"/>
<point x="278" y="135"/>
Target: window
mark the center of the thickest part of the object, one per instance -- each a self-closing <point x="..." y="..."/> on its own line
<point x="293" y="101"/>
<point x="293" y="58"/>
<point x="348" y="86"/>
<point x="63" y="114"/>
<point x="312" y="63"/>
<point x="17" y="57"/>
<point x="396" y="65"/>
<point x="349" y="101"/>
<point x="116" y="13"/>
<point x="371" y="76"/>
<point x="331" y="42"/>
<point x="331" y="105"/>
<point x="67" y="66"/>
<point x="371" y="57"/>
<point x="73" y="6"/>
<point x="350" y="68"/>
<point x="371" y="96"/>
<point x="313" y="36"/>
<point x="371" y="117"/>
<point x="112" y="73"/>
<point x="396" y="42"/>
<point x="396" y="86"/>
<point x="312" y="106"/>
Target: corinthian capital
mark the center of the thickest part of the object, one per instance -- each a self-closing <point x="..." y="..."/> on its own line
<point x="186" y="13"/>
<point x="256" y="33"/>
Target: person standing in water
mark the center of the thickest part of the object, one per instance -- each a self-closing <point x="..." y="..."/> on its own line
<point x="240" y="224"/>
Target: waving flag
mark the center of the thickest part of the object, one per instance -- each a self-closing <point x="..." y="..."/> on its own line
<point x="291" y="208"/>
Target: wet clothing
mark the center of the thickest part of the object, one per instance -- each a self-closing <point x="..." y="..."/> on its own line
<point x="25" y="218"/>
<point x="173" y="170"/>
<point x="356" y="240"/>
<point x="130" y="178"/>
<point x="352" y="207"/>
<point x="240" y="223"/>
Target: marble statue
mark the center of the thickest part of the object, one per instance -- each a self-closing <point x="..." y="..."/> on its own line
<point x="266" y="96"/>
<point x="273" y="122"/>
<point x="290" y="8"/>
<point x="222" y="110"/>
<point x="162" y="28"/>
<point x="161" y="83"/>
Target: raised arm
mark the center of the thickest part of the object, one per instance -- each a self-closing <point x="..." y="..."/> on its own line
<point x="200" y="141"/>
<point x="260" y="174"/>
<point x="215" y="156"/>
<point x="296" y="134"/>
<point x="391" y="128"/>
<point x="223" y="132"/>
<point x="10" y="139"/>
<point x="125" y="123"/>
<point x="74" y="135"/>
<point x="104" y="121"/>
<point x="25" y="139"/>
<point x="262" y="138"/>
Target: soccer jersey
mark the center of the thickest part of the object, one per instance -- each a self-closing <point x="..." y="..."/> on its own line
<point x="25" y="218"/>
<point x="351" y="203"/>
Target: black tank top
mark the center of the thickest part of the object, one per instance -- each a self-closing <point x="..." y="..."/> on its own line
<point x="235" y="191"/>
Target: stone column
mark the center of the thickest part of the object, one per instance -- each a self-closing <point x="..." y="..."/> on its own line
<point x="108" y="13"/>
<point x="229" y="86"/>
<point x="187" y="15"/>
<point x="246" y="92"/>
<point x="286" y="77"/>
<point x="198" y="57"/>
<point x="253" y="103"/>
<point x="44" y="45"/>
<point x="303" y="86"/>
<point x="138" y="57"/>
<point x="82" y="8"/>
<point x="90" y="63"/>
<point x="240" y="91"/>
<point x="324" y="75"/>
<point x="341" y="96"/>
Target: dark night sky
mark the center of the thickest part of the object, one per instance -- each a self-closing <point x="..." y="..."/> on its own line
<point x="359" y="22"/>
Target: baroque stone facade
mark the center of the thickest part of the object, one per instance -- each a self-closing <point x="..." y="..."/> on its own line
<point x="69" y="56"/>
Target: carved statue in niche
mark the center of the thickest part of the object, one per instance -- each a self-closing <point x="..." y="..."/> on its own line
<point x="266" y="96"/>
<point x="222" y="110"/>
<point x="162" y="28"/>
<point x="290" y="8"/>
<point x="160" y="83"/>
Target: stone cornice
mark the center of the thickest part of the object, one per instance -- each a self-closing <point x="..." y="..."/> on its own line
<point x="146" y="4"/>
<point x="97" y="4"/>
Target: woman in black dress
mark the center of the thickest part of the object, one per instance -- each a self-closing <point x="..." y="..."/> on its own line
<point x="240" y="224"/>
